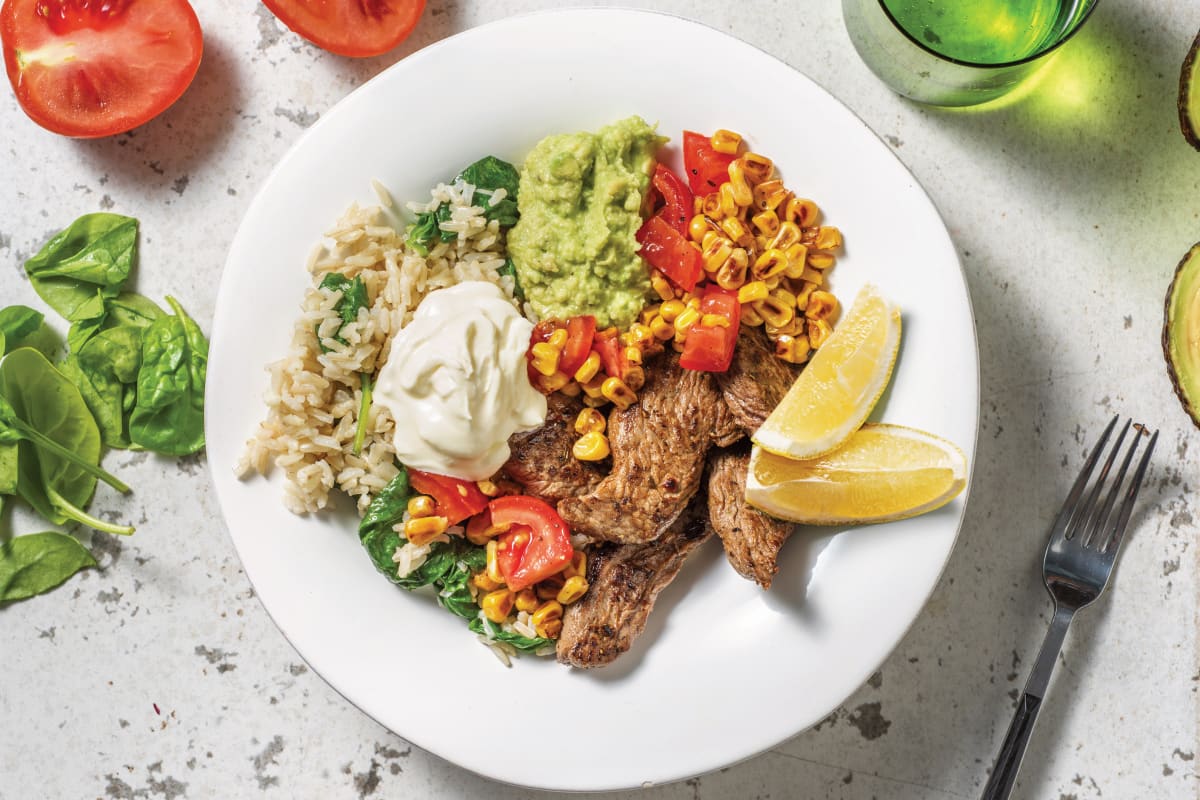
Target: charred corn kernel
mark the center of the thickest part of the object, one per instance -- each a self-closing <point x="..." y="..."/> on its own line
<point x="487" y="488"/>
<point x="588" y="369"/>
<point x="821" y="305"/>
<point x="697" y="227"/>
<point x="820" y="260"/>
<point x="633" y="353"/>
<point x="576" y="566"/>
<point x="526" y="600"/>
<point x="802" y="296"/>
<point x="792" y="349"/>
<point x="784" y="297"/>
<point x="662" y="287"/>
<point x="480" y="529"/>
<point x="589" y="421"/>
<point x="635" y="377"/>
<point x="757" y="168"/>
<point x="686" y="319"/>
<point x="592" y="387"/>
<point x="732" y="273"/>
<point x="497" y="604"/>
<point x="715" y="321"/>
<point x="750" y="316"/>
<point x="662" y="328"/>
<point x="796" y="327"/>
<point x="767" y="222"/>
<point x="697" y="201"/>
<point x="482" y="581"/>
<point x="672" y="309"/>
<point x="545" y="358"/>
<point x="789" y="234"/>
<point x="639" y="334"/>
<point x="558" y="339"/>
<point x="421" y="506"/>
<point x="752" y="291"/>
<point x="828" y="238"/>
<point x="736" y="230"/>
<point x="591" y="446"/>
<point x="770" y="263"/>
<point x="572" y="389"/>
<point x="818" y="332"/>
<point x="572" y="590"/>
<point x="547" y="619"/>
<point x="769" y="195"/>
<point x="774" y="311"/>
<point x="710" y="206"/>
<point x="715" y="253"/>
<point x="552" y="383"/>
<point x="692" y="301"/>
<point x="739" y="182"/>
<point x="548" y="588"/>
<point x="649" y="313"/>
<point x="616" y="391"/>
<point x="421" y="530"/>
<point x="728" y="201"/>
<point x="813" y="276"/>
<point x="493" y="566"/>
<point x="726" y="142"/>
<point x="797" y="258"/>
<point x="801" y="211"/>
<point x="594" y="402"/>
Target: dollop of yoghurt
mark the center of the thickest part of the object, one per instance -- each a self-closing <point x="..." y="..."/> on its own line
<point x="456" y="382"/>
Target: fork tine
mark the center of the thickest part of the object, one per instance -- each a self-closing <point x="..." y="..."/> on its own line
<point x="1070" y="506"/>
<point x="1095" y="513"/>
<point x="1118" y="531"/>
<point x="1099" y="522"/>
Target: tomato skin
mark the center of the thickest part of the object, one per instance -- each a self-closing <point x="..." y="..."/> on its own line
<point x="670" y="252"/>
<point x="354" y="28"/>
<point x="456" y="499"/>
<point x="537" y="546"/>
<point x="581" y="331"/>
<point x="91" y="69"/>
<point x="710" y="347"/>
<point x="678" y="200"/>
<point x="706" y="168"/>
<point x="612" y="355"/>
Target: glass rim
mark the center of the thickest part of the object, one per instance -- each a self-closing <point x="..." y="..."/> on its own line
<point x="1000" y="64"/>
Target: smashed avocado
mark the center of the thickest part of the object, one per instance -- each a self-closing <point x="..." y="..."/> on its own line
<point x="580" y="201"/>
<point x="1181" y="332"/>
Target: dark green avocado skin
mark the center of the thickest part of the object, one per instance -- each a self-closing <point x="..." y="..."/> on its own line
<point x="1185" y="381"/>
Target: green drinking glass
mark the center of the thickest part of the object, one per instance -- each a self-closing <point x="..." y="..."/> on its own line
<point x="959" y="52"/>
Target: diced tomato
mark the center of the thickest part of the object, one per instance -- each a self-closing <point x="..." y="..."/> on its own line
<point x="669" y="251"/>
<point x="580" y="333"/>
<point x="536" y="547"/>
<point x="706" y="168"/>
<point x="710" y="347"/>
<point x="456" y="499"/>
<point x="541" y="333"/>
<point x="677" y="198"/>
<point x="612" y="355"/>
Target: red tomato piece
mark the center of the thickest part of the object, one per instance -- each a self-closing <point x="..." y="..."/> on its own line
<point x="670" y="252"/>
<point x="456" y="499"/>
<point x="677" y="199"/>
<point x="537" y="546"/>
<point x="88" y="68"/>
<point x="706" y="168"/>
<point x="355" y="28"/>
<point x="710" y="347"/>
<point x="612" y="355"/>
<point x="581" y="331"/>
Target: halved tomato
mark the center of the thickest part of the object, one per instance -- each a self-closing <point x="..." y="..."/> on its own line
<point x="356" y="28"/>
<point x="92" y="68"/>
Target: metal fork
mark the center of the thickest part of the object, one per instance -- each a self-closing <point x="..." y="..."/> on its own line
<point x="1079" y="561"/>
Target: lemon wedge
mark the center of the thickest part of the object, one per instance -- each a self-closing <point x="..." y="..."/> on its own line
<point x="883" y="473"/>
<point x="841" y="384"/>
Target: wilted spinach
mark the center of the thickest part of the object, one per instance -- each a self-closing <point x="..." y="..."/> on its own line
<point x="488" y="174"/>
<point x="522" y="643"/>
<point x="168" y="416"/>
<point x="59" y="443"/>
<point x="354" y="297"/>
<point x="453" y="593"/>
<point x="81" y="266"/>
<point x="375" y="529"/>
<point x="510" y="269"/>
<point x="38" y="562"/>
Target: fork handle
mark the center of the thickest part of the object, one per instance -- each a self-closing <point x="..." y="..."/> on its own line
<point x="1008" y="762"/>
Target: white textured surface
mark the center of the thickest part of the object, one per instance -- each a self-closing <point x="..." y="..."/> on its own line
<point x="1069" y="209"/>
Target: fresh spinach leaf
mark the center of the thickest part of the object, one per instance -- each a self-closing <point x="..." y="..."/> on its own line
<point x="354" y="297"/>
<point x="37" y="562"/>
<point x="375" y="529"/>
<point x="130" y="308"/>
<point x="85" y="263"/>
<point x="104" y="396"/>
<point x="17" y="323"/>
<point x="522" y="643"/>
<point x="59" y="450"/>
<point x="491" y="173"/>
<point x="8" y="466"/>
<point x="105" y="370"/>
<point x="168" y="416"/>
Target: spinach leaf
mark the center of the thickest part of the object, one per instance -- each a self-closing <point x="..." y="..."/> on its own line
<point x="8" y="466"/>
<point x="522" y="643"/>
<point x="104" y="396"/>
<point x="375" y="529"/>
<point x="442" y="214"/>
<point x="509" y="268"/>
<point x="354" y="297"/>
<point x="364" y="413"/>
<point x="85" y="263"/>
<point x="491" y="173"/>
<point x="59" y="450"/>
<point x="17" y="323"/>
<point x="453" y="593"/>
<point x="130" y="308"/>
<point x="440" y="562"/>
<point x="168" y="416"/>
<point x="105" y="370"/>
<point x="37" y="562"/>
<point x="422" y="232"/>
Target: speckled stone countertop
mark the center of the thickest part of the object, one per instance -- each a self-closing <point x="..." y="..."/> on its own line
<point x="160" y="674"/>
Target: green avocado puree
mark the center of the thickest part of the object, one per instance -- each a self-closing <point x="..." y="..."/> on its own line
<point x="581" y="199"/>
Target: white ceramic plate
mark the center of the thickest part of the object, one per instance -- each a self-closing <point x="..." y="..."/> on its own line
<point x="724" y="670"/>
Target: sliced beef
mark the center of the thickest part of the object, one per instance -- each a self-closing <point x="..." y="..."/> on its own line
<point x="541" y="459"/>
<point x="624" y="581"/>
<point x="751" y="538"/>
<point x="756" y="380"/>
<point x="726" y="427"/>
<point x="658" y="448"/>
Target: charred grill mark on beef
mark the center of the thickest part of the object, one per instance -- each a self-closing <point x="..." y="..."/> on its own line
<point x="756" y="381"/>
<point x="624" y="581"/>
<point x="751" y="538"/>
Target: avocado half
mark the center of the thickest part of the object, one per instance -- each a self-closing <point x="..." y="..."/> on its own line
<point x="1189" y="96"/>
<point x="1181" y="332"/>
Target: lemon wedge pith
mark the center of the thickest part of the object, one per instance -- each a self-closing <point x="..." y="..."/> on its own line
<point x="840" y="385"/>
<point x="882" y="473"/>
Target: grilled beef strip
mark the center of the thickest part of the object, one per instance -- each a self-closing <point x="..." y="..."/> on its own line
<point x="624" y="581"/>
<point x="751" y="538"/>
<point x="658" y="448"/>
<point x="756" y="381"/>
<point x="541" y="459"/>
